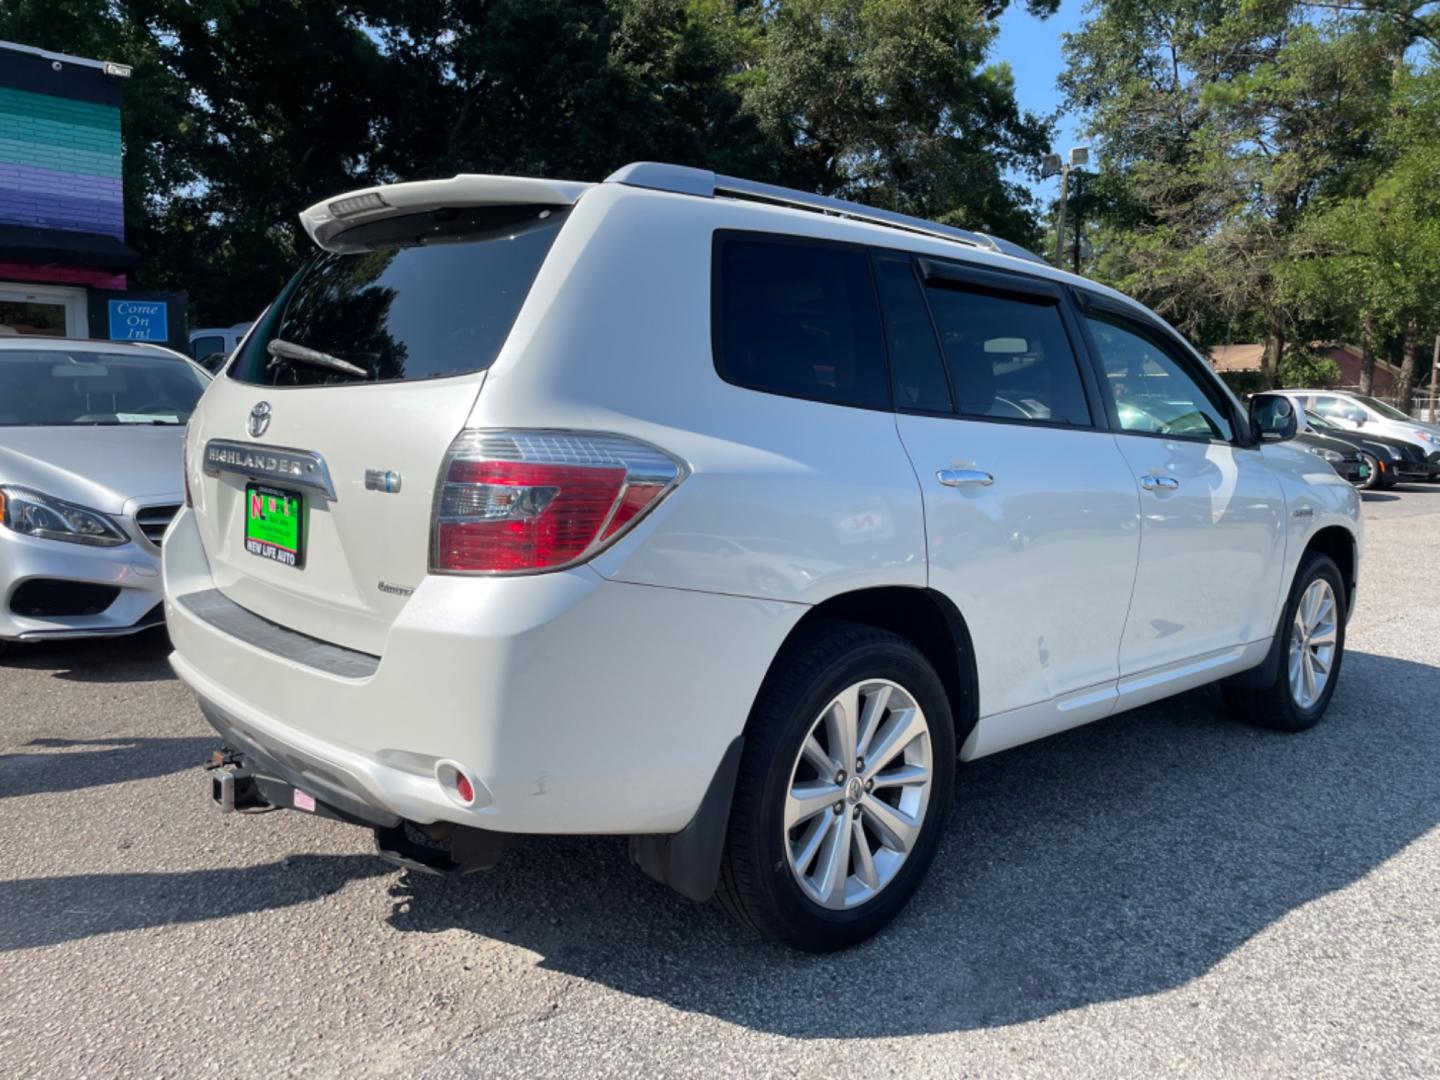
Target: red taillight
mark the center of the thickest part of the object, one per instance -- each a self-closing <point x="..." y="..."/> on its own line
<point x="522" y="501"/>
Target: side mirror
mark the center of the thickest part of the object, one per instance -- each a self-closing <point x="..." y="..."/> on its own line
<point x="1357" y="418"/>
<point x="1272" y="417"/>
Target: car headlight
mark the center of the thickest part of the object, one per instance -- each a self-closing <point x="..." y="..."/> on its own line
<point x="33" y="514"/>
<point x="1331" y="456"/>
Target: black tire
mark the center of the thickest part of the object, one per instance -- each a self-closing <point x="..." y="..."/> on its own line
<point x="1273" y="706"/>
<point x="757" y="886"/>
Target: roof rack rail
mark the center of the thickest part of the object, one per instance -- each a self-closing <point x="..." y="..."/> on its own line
<point x="684" y="180"/>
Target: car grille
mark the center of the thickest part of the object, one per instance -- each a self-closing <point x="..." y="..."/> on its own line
<point x="152" y="520"/>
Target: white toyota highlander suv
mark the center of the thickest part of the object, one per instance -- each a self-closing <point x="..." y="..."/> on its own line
<point x="721" y="516"/>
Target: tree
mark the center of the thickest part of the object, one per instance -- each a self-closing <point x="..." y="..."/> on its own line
<point x="1371" y="261"/>
<point x="889" y="102"/>
<point x="1218" y="125"/>
<point x="242" y="112"/>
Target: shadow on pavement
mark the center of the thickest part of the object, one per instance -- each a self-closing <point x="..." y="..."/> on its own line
<point x="138" y="658"/>
<point x="1117" y="860"/>
<point x="1114" y="861"/>
<point x="48" y="911"/>
<point x="84" y="763"/>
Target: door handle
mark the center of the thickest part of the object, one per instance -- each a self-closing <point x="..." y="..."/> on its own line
<point x="1159" y="483"/>
<point x="964" y="477"/>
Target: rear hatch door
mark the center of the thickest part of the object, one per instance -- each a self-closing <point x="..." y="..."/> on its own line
<point x="322" y="443"/>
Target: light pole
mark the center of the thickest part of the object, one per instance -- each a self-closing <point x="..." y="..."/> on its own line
<point x="1050" y="165"/>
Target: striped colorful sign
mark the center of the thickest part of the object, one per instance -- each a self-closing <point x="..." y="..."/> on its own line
<point x="60" y="163"/>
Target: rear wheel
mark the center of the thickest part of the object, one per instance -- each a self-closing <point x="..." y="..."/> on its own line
<point x="843" y="790"/>
<point x="1311" y="650"/>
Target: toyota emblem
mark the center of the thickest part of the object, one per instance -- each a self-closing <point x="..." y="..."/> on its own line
<point x="259" y="419"/>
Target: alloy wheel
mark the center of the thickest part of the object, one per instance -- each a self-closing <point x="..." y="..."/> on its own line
<point x="858" y="792"/>
<point x="1312" y="643"/>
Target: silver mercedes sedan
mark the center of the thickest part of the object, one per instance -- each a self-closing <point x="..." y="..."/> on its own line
<point x="91" y="437"/>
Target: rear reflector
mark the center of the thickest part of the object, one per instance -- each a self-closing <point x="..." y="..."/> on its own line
<point x="515" y="502"/>
<point x="463" y="788"/>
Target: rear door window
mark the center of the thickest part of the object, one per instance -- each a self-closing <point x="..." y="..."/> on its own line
<point x="422" y="296"/>
<point x="798" y="318"/>
<point x="1009" y="355"/>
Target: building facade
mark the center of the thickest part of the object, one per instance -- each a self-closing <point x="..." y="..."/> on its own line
<point x="63" y="256"/>
<point x="1245" y="359"/>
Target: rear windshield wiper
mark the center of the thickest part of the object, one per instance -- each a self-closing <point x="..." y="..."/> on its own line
<point x="299" y="354"/>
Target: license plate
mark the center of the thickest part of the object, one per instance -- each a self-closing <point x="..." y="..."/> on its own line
<point x="274" y="524"/>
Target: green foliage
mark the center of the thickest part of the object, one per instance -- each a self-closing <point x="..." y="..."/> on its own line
<point x="242" y="112"/>
<point x="1372" y="258"/>
<point x="1222" y="127"/>
<point x="1301" y="366"/>
<point x="889" y="102"/>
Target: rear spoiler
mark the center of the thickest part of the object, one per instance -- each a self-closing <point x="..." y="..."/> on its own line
<point x="326" y="220"/>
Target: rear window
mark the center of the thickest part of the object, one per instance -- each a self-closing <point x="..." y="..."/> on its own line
<point x="799" y="319"/>
<point x="422" y="296"/>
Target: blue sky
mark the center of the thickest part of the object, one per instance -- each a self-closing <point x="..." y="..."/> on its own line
<point x="1032" y="48"/>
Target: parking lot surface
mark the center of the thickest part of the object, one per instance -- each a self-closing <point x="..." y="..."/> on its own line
<point x="1162" y="893"/>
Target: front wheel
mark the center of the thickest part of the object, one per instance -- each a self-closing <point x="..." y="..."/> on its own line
<point x="1372" y="475"/>
<point x="1311" y="650"/>
<point x="843" y="790"/>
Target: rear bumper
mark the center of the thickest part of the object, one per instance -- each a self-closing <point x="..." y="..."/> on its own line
<point x="580" y="705"/>
<point x="132" y="570"/>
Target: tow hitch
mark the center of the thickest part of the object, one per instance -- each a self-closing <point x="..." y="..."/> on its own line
<point x="232" y="784"/>
<point x="246" y="785"/>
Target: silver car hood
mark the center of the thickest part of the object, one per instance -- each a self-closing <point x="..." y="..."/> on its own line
<point x="99" y="467"/>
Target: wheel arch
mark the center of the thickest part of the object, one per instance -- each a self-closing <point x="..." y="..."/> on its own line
<point x="926" y="618"/>
<point x="689" y="861"/>
<point x="1338" y="543"/>
<point x="1334" y="541"/>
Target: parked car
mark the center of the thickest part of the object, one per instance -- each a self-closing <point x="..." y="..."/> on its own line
<point x="1390" y="460"/>
<point x="211" y="346"/>
<point x="430" y="577"/>
<point x="1344" y="458"/>
<point x="1371" y="417"/>
<point x="91" y="434"/>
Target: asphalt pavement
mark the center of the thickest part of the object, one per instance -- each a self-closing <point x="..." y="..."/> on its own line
<point x="1163" y="893"/>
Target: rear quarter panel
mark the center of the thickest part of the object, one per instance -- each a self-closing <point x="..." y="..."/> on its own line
<point x="787" y="499"/>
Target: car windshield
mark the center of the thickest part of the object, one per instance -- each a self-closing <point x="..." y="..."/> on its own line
<point x="1387" y="411"/>
<point x="50" y="387"/>
<point x="1319" y="423"/>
